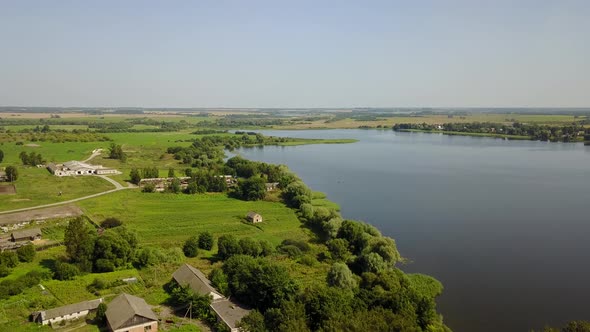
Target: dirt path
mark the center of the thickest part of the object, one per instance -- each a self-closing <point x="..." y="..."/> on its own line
<point x="95" y="153"/>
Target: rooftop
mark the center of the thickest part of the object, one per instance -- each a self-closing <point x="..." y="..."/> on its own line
<point x="229" y="311"/>
<point x="197" y="281"/>
<point x="124" y="307"/>
<point x="70" y="309"/>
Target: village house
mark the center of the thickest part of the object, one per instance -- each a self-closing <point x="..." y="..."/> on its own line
<point x="228" y="311"/>
<point x="254" y="217"/>
<point x="26" y="235"/>
<point x="196" y="280"/>
<point x="128" y="313"/>
<point x="66" y="313"/>
<point x="73" y="167"/>
<point x="271" y="186"/>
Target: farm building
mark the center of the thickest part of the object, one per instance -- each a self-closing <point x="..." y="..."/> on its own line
<point x="227" y="311"/>
<point x="196" y="280"/>
<point x="162" y="183"/>
<point x="66" y="313"/>
<point x="131" y="314"/>
<point x="254" y="217"/>
<point x="79" y="168"/>
<point x="3" y="176"/>
<point x="25" y="235"/>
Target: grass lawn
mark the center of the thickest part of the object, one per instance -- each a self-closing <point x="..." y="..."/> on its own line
<point x="36" y="186"/>
<point x="169" y="219"/>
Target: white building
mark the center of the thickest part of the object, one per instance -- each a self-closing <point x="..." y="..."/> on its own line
<point x="79" y="168"/>
<point x="66" y="313"/>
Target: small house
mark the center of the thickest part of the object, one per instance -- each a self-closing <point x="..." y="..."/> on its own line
<point x="66" y="313"/>
<point x="271" y="186"/>
<point x="130" y="313"/>
<point x="254" y="217"/>
<point x="229" y="312"/>
<point x="25" y="235"/>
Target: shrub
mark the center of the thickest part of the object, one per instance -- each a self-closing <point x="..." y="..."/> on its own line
<point x="111" y="223"/>
<point x="149" y="188"/>
<point x="65" y="271"/>
<point x="26" y="253"/>
<point x="206" y="241"/>
<point x="191" y="247"/>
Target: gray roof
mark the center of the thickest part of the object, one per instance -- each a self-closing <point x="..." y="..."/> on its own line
<point x="195" y="279"/>
<point x="125" y="307"/>
<point x="70" y="309"/>
<point x="252" y="214"/>
<point x="230" y="312"/>
<point x="52" y="167"/>
<point x="25" y="233"/>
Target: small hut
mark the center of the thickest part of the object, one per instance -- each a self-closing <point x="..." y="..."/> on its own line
<point x="26" y="235"/>
<point x="254" y="217"/>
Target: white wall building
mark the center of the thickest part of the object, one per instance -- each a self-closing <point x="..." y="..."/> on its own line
<point x="72" y="168"/>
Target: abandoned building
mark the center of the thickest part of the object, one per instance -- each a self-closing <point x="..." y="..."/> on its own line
<point x="254" y="217"/>
<point x="73" y="167"/>
<point x="65" y="313"/>
<point x="271" y="186"/>
<point x="26" y="235"/>
<point x="130" y="313"/>
<point x="161" y="184"/>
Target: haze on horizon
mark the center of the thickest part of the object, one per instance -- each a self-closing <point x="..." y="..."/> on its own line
<point x="297" y="54"/>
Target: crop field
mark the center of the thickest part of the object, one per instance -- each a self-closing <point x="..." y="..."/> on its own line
<point x="36" y="186"/>
<point x="169" y="219"/>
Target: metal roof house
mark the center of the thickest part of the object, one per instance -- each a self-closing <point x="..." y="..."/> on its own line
<point x="130" y="313"/>
<point x="254" y="217"/>
<point x="73" y="167"/>
<point x="196" y="280"/>
<point x="65" y="313"/>
<point x="26" y="235"/>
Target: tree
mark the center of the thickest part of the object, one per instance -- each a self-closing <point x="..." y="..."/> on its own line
<point x="26" y="253"/>
<point x="250" y="247"/>
<point x="1" y="155"/>
<point x="101" y="312"/>
<point x="9" y="258"/>
<point x="252" y="322"/>
<point x="111" y="222"/>
<point x="149" y="188"/>
<point x="341" y="276"/>
<point x="114" y="248"/>
<point x="116" y="152"/>
<point x="252" y="189"/>
<point x="219" y="281"/>
<point x="206" y="241"/>
<point x="191" y="247"/>
<point x="175" y="186"/>
<point x="79" y="239"/>
<point x="338" y="249"/>
<point x="171" y="173"/>
<point x="297" y="194"/>
<point x="135" y="176"/>
<point x="65" y="271"/>
<point x="227" y="246"/>
<point x="11" y="173"/>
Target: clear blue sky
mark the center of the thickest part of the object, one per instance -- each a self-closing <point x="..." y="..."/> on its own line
<point x="295" y="53"/>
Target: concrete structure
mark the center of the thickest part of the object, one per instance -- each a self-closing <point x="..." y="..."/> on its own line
<point x="196" y="280"/>
<point x="26" y="235"/>
<point x="254" y="217"/>
<point x="128" y="313"/>
<point x="66" y="313"/>
<point x="72" y="168"/>
<point x="3" y="176"/>
<point x="227" y="311"/>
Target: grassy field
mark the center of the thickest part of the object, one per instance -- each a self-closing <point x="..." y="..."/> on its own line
<point x="36" y="186"/>
<point x="169" y="219"/>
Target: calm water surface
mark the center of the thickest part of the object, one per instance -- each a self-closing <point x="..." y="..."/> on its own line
<point x="503" y="224"/>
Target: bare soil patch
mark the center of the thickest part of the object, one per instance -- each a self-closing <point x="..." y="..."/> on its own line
<point x="32" y="145"/>
<point x="7" y="189"/>
<point x="41" y="214"/>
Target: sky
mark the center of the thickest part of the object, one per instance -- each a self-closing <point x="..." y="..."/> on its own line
<point x="295" y="54"/>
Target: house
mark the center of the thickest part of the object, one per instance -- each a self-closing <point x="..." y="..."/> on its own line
<point x="25" y="235"/>
<point x="196" y="280"/>
<point x="254" y="217"/>
<point x="271" y="186"/>
<point x="79" y="168"/>
<point x="130" y="314"/>
<point x="229" y="312"/>
<point x="66" y="313"/>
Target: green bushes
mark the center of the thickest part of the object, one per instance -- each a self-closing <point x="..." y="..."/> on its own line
<point x="65" y="271"/>
<point x="206" y="241"/>
<point x="191" y="247"/>
<point x="26" y="253"/>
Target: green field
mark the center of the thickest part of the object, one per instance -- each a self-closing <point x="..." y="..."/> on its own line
<point x="36" y="186"/>
<point x="169" y="219"/>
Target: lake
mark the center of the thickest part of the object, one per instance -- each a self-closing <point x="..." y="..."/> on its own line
<point x="504" y="225"/>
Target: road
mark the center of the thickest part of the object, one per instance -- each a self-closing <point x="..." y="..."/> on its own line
<point x="94" y="154"/>
<point x="117" y="185"/>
